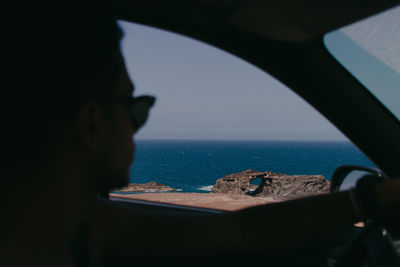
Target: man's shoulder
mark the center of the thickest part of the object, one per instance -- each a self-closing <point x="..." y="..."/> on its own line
<point x="26" y="251"/>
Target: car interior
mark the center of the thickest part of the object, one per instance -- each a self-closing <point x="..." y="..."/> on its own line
<point x="286" y="40"/>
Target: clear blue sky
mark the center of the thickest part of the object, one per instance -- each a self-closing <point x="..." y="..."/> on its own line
<point x="205" y="93"/>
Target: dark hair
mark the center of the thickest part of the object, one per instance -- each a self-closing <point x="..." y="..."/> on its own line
<point x="56" y="60"/>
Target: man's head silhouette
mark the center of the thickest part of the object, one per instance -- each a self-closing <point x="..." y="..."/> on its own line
<point x="62" y="111"/>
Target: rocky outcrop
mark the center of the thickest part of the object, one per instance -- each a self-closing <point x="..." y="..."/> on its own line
<point x="145" y="188"/>
<point x="276" y="185"/>
<point x="240" y="183"/>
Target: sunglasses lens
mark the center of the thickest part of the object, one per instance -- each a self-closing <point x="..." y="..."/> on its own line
<point x="140" y="110"/>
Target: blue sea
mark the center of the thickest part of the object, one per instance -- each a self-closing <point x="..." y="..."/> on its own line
<point x="194" y="166"/>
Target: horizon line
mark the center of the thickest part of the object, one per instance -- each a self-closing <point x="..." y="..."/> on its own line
<point x="244" y="140"/>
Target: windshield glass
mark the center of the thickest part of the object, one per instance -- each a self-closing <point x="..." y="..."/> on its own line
<point x="370" y="51"/>
<point x="223" y="134"/>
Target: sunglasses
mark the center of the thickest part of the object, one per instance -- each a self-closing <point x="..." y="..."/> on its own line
<point x="140" y="108"/>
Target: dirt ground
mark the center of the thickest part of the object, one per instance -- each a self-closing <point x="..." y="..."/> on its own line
<point x="202" y="200"/>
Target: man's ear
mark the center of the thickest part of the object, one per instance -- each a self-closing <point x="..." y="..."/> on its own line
<point x="90" y="125"/>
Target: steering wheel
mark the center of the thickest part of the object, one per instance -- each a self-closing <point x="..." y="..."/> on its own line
<point x="373" y="244"/>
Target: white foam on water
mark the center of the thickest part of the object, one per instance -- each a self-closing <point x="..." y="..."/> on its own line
<point x="205" y="188"/>
<point x="150" y="191"/>
<point x="160" y="191"/>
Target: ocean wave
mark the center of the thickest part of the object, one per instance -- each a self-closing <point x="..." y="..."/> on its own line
<point x="146" y="191"/>
<point x="205" y="188"/>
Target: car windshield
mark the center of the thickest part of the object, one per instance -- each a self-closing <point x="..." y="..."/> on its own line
<point x="370" y="51"/>
<point x="223" y="134"/>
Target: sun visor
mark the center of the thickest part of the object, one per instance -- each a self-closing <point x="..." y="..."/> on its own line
<point x="301" y="21"/>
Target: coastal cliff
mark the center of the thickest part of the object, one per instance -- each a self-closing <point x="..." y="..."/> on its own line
<point x="234" y="191"/>
<point x="276" y="185"/>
